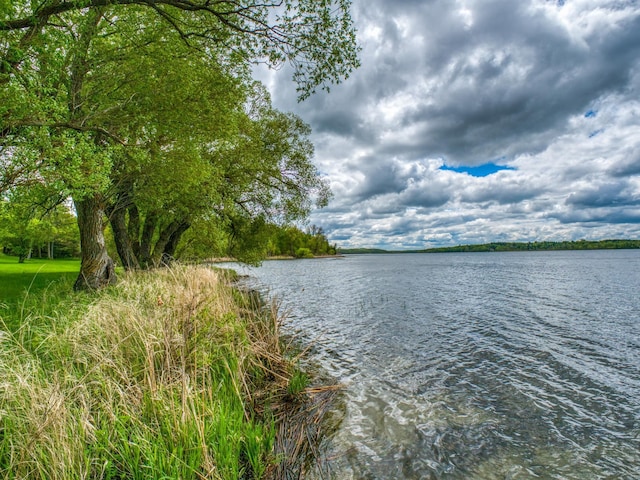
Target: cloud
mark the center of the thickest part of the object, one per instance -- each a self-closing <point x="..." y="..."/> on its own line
<point x="608" y="194"/>
<point x="549" y="89"/>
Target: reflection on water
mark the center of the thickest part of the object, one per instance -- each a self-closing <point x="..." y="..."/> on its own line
<point x="488" y="366"/>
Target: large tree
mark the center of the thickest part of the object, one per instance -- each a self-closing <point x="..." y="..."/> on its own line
<point x="209" y="149"/>
<point x="60" y="122"/>
<point x="234" y="179"/>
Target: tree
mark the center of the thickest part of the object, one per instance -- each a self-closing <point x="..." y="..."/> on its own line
<point x="33" y="219"/>
<point x="160" y="191"/>
<point x="47" y="129"/>
<point x="294" y="242"/>
<point x="57" y="123"/>
<point x="223" y="154"/>
<point x="16" y="230"/>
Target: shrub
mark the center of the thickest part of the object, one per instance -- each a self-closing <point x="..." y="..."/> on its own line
<point x="303" y="253"/>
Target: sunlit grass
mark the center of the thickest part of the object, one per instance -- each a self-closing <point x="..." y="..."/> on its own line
<point x="170" y="374"/>
<point x="33" y="275"/>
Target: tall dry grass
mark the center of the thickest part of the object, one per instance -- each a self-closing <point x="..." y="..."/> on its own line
<point x="169" y="374"/>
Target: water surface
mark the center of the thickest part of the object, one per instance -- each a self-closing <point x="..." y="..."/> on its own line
<point x="507" y="365"/>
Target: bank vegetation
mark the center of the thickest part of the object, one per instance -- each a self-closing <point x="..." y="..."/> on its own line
<point x="172" y="373"/>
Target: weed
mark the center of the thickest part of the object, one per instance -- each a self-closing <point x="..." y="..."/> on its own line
<point x="298" y="382"/>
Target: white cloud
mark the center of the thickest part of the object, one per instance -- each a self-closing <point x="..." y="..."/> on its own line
<point x="548" y="88"/>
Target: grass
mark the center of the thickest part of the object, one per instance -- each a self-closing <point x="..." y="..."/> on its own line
<point x="169" y="374"/>
<point x="32" y="276"/>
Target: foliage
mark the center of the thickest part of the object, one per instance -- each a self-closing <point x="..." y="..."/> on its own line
<point x="303" y="252"/>
<point x="348" y="251"/>
<point x="258" y="166"/>
<point x="291" y="241"/>
<point x="316" y="37"/>
<point x="298" y="382"/>
<point x="252" y="241"/>
<point x="145" y="111"/>
<point x="513" y="247"/>
<point x="30" y="221"/>
<point x="204" y="240"/>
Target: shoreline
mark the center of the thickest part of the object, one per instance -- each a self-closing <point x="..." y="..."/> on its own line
<point x="214" y="260"/>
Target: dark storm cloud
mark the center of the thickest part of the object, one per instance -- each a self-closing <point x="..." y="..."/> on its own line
<point x="620" y="193"/>
<point x="600" y="216"/>
<point x="629" y="166"/>
<point x="549" y="88"/>
<point x="513" y="75"/>
<point x="425" y="197"/>
<point x="379" y="178"/>
<point x="339" y="122"/>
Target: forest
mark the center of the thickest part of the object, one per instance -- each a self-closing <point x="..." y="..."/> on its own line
<point x="542" y="245"/>
<point x="513" y="247"/>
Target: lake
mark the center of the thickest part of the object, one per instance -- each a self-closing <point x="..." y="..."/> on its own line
<point x="511" y="365"/>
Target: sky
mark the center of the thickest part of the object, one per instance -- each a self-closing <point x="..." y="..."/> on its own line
<point x="474" y="121"/>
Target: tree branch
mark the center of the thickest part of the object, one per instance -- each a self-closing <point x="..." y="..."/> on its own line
<point x="43" y="13"/>
<point x="72" y="126"/>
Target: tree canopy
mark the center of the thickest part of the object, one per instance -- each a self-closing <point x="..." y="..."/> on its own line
<point x="144" y="112"/>
<point x="315" y="36"/>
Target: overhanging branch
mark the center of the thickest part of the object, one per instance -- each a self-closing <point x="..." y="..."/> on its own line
<point x="206" y="6"/>
<point x="71" y="126"/>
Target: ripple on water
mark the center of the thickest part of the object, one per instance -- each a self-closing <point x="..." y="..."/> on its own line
<point x="484" y="366"/>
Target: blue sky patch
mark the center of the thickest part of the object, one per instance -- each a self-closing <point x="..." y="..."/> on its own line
<point x="590" y="114"/>
<point x="596" y="133"/>
<point x="478" y="171"/>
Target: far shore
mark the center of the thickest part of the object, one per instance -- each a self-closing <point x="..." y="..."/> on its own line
<point x="275" y="257"/>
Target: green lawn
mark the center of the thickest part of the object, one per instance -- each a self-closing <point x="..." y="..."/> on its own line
<point x="33" y="275"/>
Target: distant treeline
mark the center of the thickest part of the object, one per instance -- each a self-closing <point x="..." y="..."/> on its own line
<point x="349" y="251"/>
<point x="519" y="246"/>
<point x="513" y="247"/>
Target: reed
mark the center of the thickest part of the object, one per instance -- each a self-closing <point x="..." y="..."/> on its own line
<point x="169" y="374"/>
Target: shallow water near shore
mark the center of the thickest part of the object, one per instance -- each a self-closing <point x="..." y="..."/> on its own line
<point x="509" y="365"/>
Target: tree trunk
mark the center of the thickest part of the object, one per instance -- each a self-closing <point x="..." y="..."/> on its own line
<point x="166" y="245"/>
<point x="161" y="243"/>
<point x="117" y="218"/>
<point x="134" y="229"/>
<point x="148" y="229"/>
<point x="117" y="212"/>
<point x="97" y="268"/>
<point x="172" y="244"/>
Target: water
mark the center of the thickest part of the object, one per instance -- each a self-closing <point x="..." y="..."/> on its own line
<point x="483" y="365"/>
